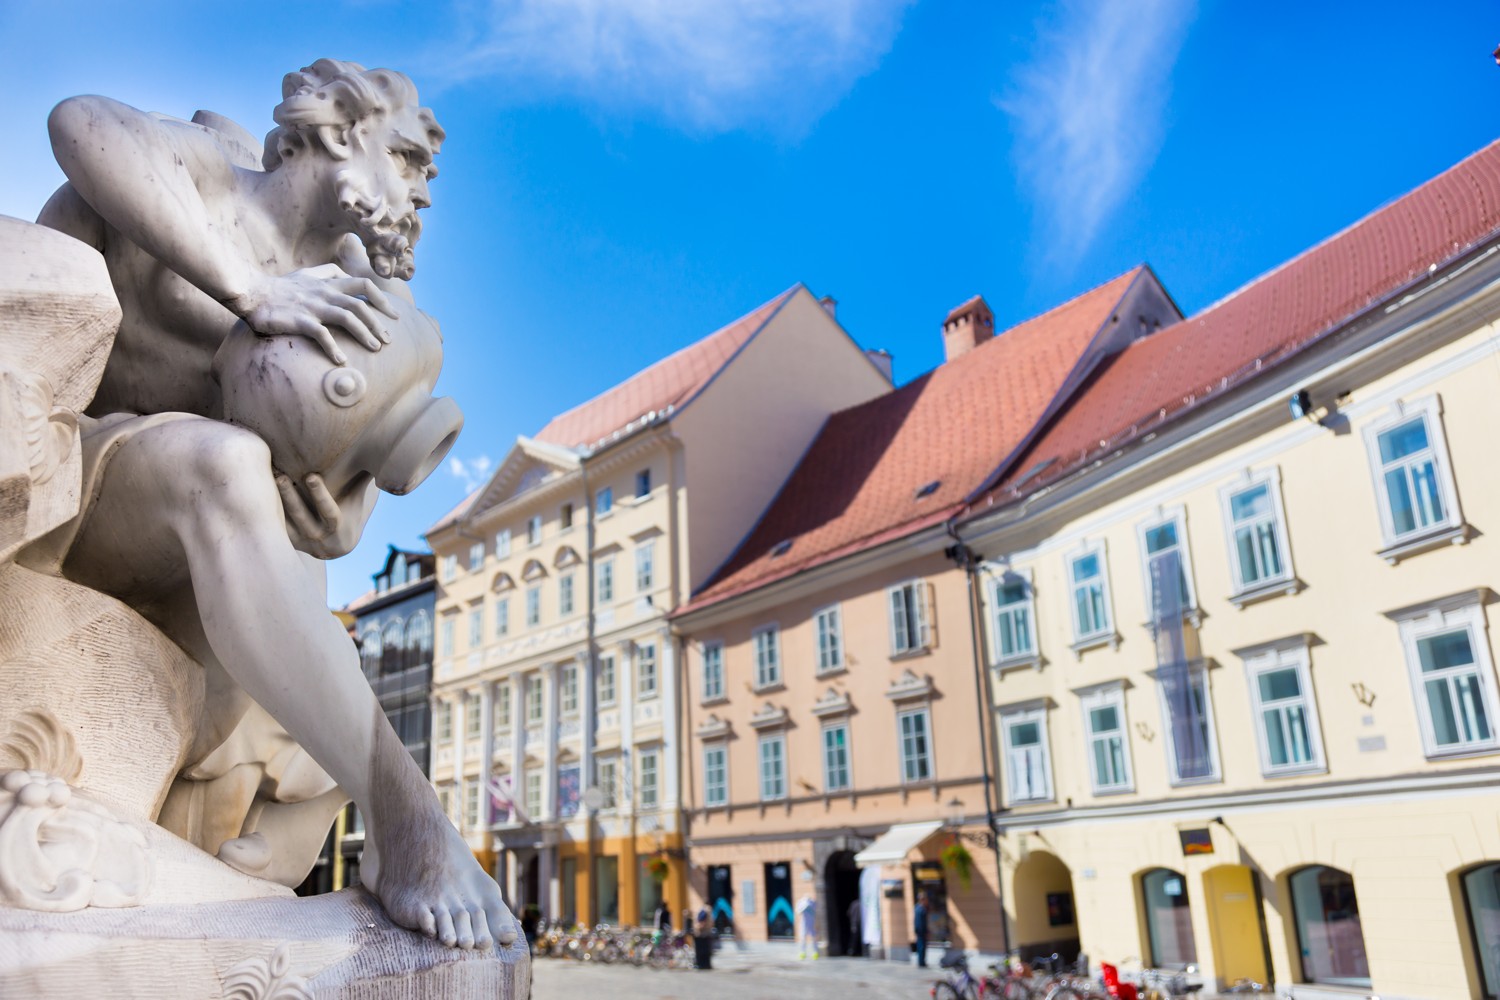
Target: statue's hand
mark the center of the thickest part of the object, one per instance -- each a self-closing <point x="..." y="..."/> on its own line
<point x="309" y="302"/>
<point x="319" y="528"/>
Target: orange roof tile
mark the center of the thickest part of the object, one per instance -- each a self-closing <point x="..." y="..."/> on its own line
<point x="1268" y="321"/>
<point x="670" y="382"/>
<point x="857" y="484"/>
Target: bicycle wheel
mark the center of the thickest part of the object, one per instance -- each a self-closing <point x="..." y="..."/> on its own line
<point x="1008" y="989"/>
<point x="946" y="991"/>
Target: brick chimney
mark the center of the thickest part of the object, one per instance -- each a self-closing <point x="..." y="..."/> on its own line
<point x="968" y="326"/>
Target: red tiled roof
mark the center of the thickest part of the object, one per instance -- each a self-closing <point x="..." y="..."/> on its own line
<point x="857" y="484"/>
<point x="672" y="381"/>
<point x="1267" y="321"/>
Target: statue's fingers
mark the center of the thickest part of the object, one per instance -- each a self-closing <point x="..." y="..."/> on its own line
<point x="296" y="509"/>
<point x="366" y="314"/>
<point x="323" y="502"/>
<point x="371" y="292"/>
<point x="325" y="271"/>
<point x="308" y="326"/>
<point x="356" y="328"/>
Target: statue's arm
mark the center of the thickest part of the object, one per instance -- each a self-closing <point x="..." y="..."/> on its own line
<point x="147" y="178"/>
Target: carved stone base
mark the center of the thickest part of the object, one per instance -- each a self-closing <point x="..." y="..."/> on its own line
<point x="337" y="946"/>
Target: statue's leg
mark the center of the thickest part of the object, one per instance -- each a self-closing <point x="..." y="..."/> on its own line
<point x="199" y="495"/>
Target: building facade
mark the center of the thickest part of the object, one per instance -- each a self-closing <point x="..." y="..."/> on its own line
<point x="1236" y="606"/>
<point x="556" y="709"/>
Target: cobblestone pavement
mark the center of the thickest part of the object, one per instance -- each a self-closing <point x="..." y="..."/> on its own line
<point x="736" y="976"/>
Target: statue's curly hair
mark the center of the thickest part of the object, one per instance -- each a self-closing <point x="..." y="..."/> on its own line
<point x="337" y="93"/>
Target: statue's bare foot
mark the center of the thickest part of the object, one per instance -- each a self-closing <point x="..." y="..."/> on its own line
<point x="428" y="881"/>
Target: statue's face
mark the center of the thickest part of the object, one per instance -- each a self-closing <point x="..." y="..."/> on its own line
<point x="383" y="185"/>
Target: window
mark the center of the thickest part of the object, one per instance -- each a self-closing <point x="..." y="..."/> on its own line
<point x="1452" y="678"/>
<point x="772" y="767"/>
<point x="1165" y="556"/>
<point x="648" y="785"/>
<point x="1329" y="935"/>
<point x="608" y="785"/>
<point x="604" y="501"/>
<point x="1087" y="577"/>
<point x="534" y="530"/>
<point x="1108" y="750"/>
<point x="502" y="544"/>
<point x="450" y="567"/>
<point x="443" y="724"/>
<point x="643" y="483"/>
<point x="502" y="707"/>
<point x="418" y="640"/>
<point x="476" y="557"/>
<point x="606" y="581"/>
<point x="533" y="698"/>
<point x="836" y="757"/>
<point x="715" y="776"/>
<point x="1169" y="919"/>
<point x="569" y="693"/>
<point x="830" y="640"/>
<point x="1188" y="719"/>
<point x="392" y="646"/>
<point x="445" y="799"/>
<point x="1027" y="766"/>
<point x="534" y="793"/>
<point x="502" y="617"/>
<point x="476" y="627"/>
<point x="534" y="605"/>
<point x="1013" y="612"/>
<point x="916" y="751"/>
<point x="1258" y="554"/>
<point x="645" y="669"/>
<point x="447" y="635"/>
<point x="473" y="721"/>
<point x="767" y="656"/>
<point x="471" y="805"/>
<point x="713" y="670"/>
<point x="1286" y="718"/>
<point x="565" y="594"/>
<point x="369" y="652"/>
<point x="911" y="628"/>
<point x="1414" y="482"/>
<point x="565" y="516"/>
<point x="1481" y="888"/>
<point x="645" y="558"/>
<point x="604" y="683"/>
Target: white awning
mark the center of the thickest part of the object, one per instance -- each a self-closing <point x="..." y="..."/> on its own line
<point x="892" y="846"/>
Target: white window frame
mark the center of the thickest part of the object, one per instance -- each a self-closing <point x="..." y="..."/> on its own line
<point x="916" y="599"/>
<point x="1198" y="674"/>
<point x="713" y="670"/>
<point x="533" y="605"/>
<point x="473" y="721"/>
<point x="773" y="787"/>
<point x="1106" y="631"/>
<point x="1011" y="717"/>
<point x="471" y="805"/>
<point x="1288" y="655"/>
<point x="828" y="635"/>
<point x="1025" y="608"/>
<point x="442" y="723"/>
<point x="608" y="770"/>
<point x="927" y="758"/>
<point x="830" y="785"/>
<point x="565" y="515"/>
<point x="715" y="793"/>
<point x="476" y="557"/>
<point x="1270" y="480"/>
<point x="1437" y="621"/>
<point x="649" y="784"/>
<point x="605" y="581"/>
<point x="1178" y="515"/>
<point x="536" y="700"/>
<point x="766" y="643"/>
<point x="502" y="617"/>
<point x="476" y="626"/>
<point x="643" y="476"/>
<point x="502" y="709"/>
<point x="645" y="567"/>
<point x="1107" y="696"/>
<point x="532" y="791"/>
<point x="450" y="567"/>
<point x="1429" y="409"/>
<point x="568" y="695"/>
<point x="534" y="531"/>
<point x="565" y="595"/>
<point x="604" y="681"/>
<point x="502" y="543"/>
<point x="647" y="680"/>
<point x="604" y="501"/>
<point x="447" y="633"/>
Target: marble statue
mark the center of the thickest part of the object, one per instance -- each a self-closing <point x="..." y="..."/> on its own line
<point x="210" y="365"/>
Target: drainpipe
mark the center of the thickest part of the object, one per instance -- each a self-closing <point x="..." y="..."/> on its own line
<point x="586" y="780"/>
<point x="963" y="557"/>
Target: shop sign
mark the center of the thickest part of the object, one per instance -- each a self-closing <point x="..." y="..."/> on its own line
<point x="1196" y="842"/>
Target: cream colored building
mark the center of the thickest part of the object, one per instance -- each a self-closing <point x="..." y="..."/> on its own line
<point x="556" y="728"/>
<point x="1281" y="762"/>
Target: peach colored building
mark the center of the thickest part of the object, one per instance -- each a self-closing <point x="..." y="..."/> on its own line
<point x="833" y="701"/>
<point x="1236" y="603"/>
<point x="556" y="730"/>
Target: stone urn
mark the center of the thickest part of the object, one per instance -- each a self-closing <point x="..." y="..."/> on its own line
<point x="375" y="415"/>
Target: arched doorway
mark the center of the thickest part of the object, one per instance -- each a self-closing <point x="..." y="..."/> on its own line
<point x="1044" y="919"/>
<point x="1330" y="940"/>
<point x="1236" y="923"/>
<point x="840" y="892"/>
<point x="1168" y="919"/>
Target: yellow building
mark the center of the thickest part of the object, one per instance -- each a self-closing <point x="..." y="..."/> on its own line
<point x="1236" y="602"/>
<point x="556" y="682"/>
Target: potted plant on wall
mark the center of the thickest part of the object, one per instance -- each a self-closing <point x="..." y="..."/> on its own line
<point x="658" y="868"/>
<point x="957" y="859"/>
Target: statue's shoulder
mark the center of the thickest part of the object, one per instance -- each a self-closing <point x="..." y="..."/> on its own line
<point x="235" y="141"/>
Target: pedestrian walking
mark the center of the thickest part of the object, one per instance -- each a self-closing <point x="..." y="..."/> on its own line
<point x="807" y="927"/>
<point x="919" y="928"/>
<point x="856" y="943"/>
<point x="664" y="918"/>
<point x="703" y="942"/>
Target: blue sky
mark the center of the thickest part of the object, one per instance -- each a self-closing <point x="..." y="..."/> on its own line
<point x="624" y="176"/>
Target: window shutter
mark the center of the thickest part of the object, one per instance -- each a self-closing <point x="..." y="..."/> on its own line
<point x="926" y="616"/>
<point x="898" y="619"/>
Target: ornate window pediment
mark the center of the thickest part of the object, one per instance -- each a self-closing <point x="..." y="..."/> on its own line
<point x="713" y="728"/>
<point x="566" y="556"/>
<point x="909" y="687"/>
<point x="502" y="583"/>
<point x="768" y="716"/>
<point x="534" y="570"/>
<point x="832" y="703"/>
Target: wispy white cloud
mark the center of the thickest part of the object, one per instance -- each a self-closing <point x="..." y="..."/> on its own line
<point x="1089" y="110"/>
<point x="473" y="472"/>
<point x="710" y="65"/>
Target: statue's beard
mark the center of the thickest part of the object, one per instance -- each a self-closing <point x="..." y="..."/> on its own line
<point x="388" y="238"/>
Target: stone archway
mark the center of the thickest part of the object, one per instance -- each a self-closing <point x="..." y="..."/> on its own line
<point x="1044" y="919"/>
<point x="840" y="891"/>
